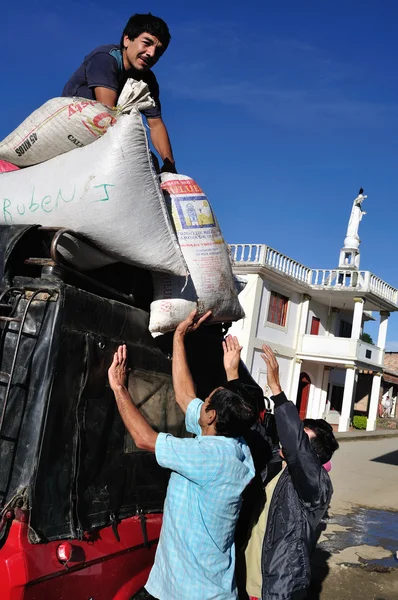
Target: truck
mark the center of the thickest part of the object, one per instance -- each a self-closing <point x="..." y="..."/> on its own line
<point x="80" y="504"/>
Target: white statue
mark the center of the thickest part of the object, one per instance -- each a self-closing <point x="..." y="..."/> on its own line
<point x="356" y="216"/>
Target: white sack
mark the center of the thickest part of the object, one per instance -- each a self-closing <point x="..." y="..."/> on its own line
<point x="64" y="124"/>
<point x="107" y="191"/>
<point x="211" y="283"/>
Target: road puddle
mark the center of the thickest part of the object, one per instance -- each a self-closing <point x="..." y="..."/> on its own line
<point x="362" y="536"/>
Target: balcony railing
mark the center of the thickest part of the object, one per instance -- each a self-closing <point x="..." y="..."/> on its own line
<point x="383" y="289"/>
<point x="337" y="279"/>
<point x="259" y="254"/>
<point x="340" y="278"/>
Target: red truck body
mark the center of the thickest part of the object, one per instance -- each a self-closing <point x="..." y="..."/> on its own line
<point x="99" y="568"/>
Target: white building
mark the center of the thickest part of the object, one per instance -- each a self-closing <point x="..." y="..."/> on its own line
<point x="313" y="319"/>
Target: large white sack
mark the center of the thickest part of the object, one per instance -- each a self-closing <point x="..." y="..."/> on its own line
<point x="107" y="191"/>
<point x="64" y="124"/>
<point x="211" y="284"/>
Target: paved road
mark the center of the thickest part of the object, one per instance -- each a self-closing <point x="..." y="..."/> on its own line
<point x="366" y="473"/>
<point x="361" y="537"/>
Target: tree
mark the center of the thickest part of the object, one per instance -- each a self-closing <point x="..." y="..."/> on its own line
<point x="365" y="337"/>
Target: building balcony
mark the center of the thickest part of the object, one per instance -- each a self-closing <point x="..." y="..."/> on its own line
<point x="340" y="284"/>
<point x="338" y="350"/>
<point x="261" y="255"/>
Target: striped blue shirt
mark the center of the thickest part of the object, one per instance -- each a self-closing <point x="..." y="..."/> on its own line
<point x="195" y="558"/>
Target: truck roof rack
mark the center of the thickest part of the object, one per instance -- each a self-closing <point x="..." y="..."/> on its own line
<point x="68" y="255"/>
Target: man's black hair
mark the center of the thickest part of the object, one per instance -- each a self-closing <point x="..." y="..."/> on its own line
<point x="235" y="414"/>
<point x="146" y="23"/>
<point x="251" y="392"/>
<point x="324" y="443"/>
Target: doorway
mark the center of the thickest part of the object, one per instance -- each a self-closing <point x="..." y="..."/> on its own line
<point x="303" y="395"/>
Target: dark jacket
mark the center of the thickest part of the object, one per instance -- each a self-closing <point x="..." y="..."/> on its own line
<point x="299" y="502"/>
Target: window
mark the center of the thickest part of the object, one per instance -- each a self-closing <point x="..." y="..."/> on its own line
<point x="315" y="326"/>
<point x="277" y="309"/>
<point x="345" y="329"/>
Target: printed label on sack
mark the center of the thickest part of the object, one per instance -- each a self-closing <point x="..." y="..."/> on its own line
<point x="26" y="144"/>
<point x="193" y="212"/>
<point x="176" y="187"/>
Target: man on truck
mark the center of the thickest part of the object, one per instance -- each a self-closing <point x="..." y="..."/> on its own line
<point x="195" y="557"/>
<point x="106" y="69"/>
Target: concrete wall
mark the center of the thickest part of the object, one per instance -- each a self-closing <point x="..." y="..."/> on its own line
<point x="269" y="332"/>
<point x="321" y="312"/>
<point x="243" y="328"/>
<point x="259" y="370"/>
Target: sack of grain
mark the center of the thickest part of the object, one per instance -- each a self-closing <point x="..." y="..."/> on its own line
<point x="211" y="284"/>
<point x="107" y="191"/>
<point x="64" y="124"/>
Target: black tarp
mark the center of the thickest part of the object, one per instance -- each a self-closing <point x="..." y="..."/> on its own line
<point x="65" y="454"/>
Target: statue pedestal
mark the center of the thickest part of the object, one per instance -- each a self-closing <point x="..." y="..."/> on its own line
<point x="349" y="256"/>
<point x="352" y="243"/>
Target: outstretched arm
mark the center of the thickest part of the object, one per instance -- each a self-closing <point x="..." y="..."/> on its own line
<point x="183" y="384"/>
<point x="139" y="429"/>
<point x="161" y="141"/>
<point x="303" y="464"/>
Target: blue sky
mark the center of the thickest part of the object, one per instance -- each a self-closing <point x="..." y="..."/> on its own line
<point x="281" y="110"/>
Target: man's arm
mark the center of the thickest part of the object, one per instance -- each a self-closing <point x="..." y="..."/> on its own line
<point x="232" y="350"/>
<point x="161" y="141"/>
<point x="139" y="429"/>
<point x="184" y="387"/>
<point x="303" y="463"/>
<point x="105" y="96"/>
<point x="103" y="77"/>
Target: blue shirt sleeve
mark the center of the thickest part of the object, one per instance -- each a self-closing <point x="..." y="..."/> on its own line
<point x="192" y="458"/>
<point x="192" y="416"/>
<point x="156" y="111"/>
<point x="102" y="71"/>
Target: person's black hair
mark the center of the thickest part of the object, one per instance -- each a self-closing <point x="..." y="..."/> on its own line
<point x="324" y="443"/>
<point x="234" y="413"/>
<point x="146" y="23"/>
<point x="251" y="392"/>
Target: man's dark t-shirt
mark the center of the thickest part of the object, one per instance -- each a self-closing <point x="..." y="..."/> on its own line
<point x="103" y="67"/>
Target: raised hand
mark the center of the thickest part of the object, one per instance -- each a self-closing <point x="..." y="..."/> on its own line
<point x="191" y="323"/>
<point x="232" y="350"/>
<point x="118" y="371"/>
<point x="272" y="370"/>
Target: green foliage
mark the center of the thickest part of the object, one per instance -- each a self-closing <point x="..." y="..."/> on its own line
<point x="359" y="422"/>
<point x="365" y="337"/>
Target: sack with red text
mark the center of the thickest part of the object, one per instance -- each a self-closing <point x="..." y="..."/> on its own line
<point x="63" y="124"/>
<point x="108" y="191"/>
<point x="210" y="285"/>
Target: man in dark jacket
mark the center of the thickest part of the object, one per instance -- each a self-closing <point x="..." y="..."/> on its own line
<point x="278" y="552"/>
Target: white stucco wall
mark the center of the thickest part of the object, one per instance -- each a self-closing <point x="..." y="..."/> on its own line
<point x="321" y="311"/>
<point x="243" y="328"/>
<point x="259" y="370"/>
<point x="285" y="336"/>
